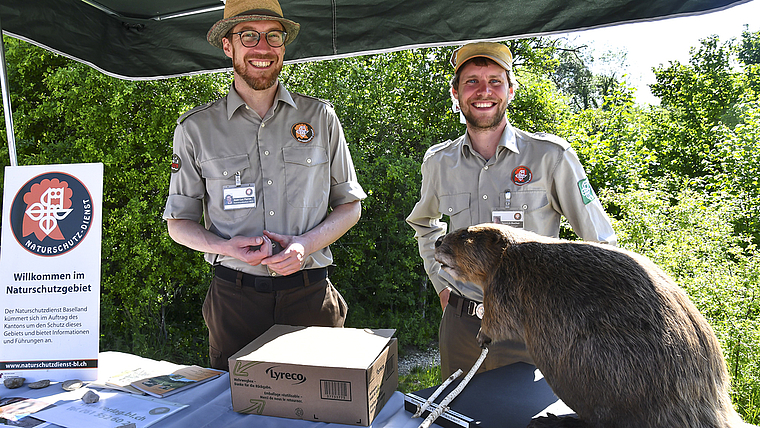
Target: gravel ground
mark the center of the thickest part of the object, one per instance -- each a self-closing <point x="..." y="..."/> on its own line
<point x="418" y="358"/>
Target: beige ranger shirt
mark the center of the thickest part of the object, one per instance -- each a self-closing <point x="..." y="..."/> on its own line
<point x="536" y="175"/>
<point x="296" y="159"/>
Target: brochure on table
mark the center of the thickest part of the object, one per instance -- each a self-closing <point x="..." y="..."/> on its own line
<point x="50" y="271"/>
<point x="167" y="384"/>
<point x="114" y="409"/>
<point x="122" y="381"/>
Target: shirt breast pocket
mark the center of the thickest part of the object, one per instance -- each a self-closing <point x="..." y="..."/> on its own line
<point x="307" y="176"/>
<point x="529" y="200"/>
<point x="221" y="172"/>
<point x="457" y="207"/>
<point x="536" y="208"/>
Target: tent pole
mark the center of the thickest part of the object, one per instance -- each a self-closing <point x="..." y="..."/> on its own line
<point x="7" y="102"/>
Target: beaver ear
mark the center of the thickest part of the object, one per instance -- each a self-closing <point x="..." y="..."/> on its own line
<point x="503" y="239"/>
<point x="505" y="243"/>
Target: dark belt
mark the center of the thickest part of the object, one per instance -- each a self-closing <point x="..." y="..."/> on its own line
<point x="466" y="306"/>
<point x="267" y="284"/>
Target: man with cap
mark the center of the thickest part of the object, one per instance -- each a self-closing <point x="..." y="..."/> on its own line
<point x="270" y="174"/>
<point x="494" y="173"/>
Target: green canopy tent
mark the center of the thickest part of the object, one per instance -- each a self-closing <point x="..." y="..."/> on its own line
<point x="154" y="39"/>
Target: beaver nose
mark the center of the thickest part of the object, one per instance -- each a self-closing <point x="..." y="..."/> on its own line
<point x="438" y="241"/>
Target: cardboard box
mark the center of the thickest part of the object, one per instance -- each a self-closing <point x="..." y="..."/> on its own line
<point x="321" y="374"/>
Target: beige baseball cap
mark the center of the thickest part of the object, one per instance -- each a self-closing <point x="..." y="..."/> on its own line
<point x="496" y="51"/>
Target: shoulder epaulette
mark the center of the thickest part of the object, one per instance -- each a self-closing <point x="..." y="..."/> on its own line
<point x="313" y="98"/>
<point x="550" y="138"/>
<point x="193" y="111"/>
<point x="436" y="148"/>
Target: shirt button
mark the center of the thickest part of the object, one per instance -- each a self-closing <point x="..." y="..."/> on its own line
<point x="451" y="209"/>
<point x="485" y="197"/>
<point x="224" y="173"/>
<point x="271" y="213"/>
<point x="308" y="160"/>
<point x="273" y="273"/>
<point x="269" y="182"/>
<point x="525" y="207"/>
<point x="486" y="167"/>
<point x="263" y="124"/>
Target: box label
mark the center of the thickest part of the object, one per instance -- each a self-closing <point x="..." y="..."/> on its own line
<point x="335" y="390"/>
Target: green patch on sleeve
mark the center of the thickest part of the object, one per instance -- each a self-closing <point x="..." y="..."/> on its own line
<point x="587" y="192"/>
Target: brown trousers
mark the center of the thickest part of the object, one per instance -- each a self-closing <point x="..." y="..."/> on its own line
<point x="236" y="315"/>
<point x="458" y="345"/>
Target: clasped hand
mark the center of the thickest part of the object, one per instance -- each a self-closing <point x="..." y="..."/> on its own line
<point x="258" y="250"/>
<point x="290" y="259"/>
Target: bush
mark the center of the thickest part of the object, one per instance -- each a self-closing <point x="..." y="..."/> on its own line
<point x="691" y="236"/>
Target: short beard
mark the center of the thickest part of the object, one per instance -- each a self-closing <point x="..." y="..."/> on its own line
<point x="485" y="123"/>
<point x="257" y="83"/>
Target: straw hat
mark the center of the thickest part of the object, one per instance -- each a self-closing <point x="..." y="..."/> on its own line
<point x="495" y="51"/>
<point x="237" y="11"/>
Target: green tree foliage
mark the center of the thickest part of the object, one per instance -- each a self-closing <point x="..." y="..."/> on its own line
<point x="66" y="112"/>
<point x="575" y="78"/>
<point x="690" y="235"/>
<point x="737" y="167"/>
<point x="749" y="55"/>
<point x="611" y="143"/>
<point x="748" y="51"/>
<point x="585" y="88"/>
<point x="697" y="97"/>
<point x="681" y="182"/>
<point x="679" y="179"/>
<point x="700" y="222"/>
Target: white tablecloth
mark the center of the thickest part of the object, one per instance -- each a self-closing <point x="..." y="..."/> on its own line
<point x="210" y="404"/>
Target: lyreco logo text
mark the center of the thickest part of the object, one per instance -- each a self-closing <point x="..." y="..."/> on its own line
<point x="297" y="378"/>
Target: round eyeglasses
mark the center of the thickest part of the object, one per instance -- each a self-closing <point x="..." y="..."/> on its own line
<point x="251" y="38"/>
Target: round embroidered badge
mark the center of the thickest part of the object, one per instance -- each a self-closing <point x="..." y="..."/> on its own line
<point x="521" y="175"/>
<point x="302" y="132"/>
<point x="176" y="163"/>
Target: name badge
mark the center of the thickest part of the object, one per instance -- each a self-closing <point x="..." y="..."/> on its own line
<point x="510" y="218"/>
<point x="238" y="197"/>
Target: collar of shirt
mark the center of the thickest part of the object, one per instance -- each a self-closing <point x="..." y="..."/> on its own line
<point x="507" y="141"/>
<point x="234" y="101"/>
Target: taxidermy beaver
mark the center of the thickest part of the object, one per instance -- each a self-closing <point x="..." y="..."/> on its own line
<point x="616" y="339"/>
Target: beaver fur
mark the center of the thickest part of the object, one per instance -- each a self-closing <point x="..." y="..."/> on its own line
<point x="615" y="338"/>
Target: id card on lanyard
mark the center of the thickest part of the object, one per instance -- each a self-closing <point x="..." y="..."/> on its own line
<point x="514" y="218"/>
<point x="240" y="195"/>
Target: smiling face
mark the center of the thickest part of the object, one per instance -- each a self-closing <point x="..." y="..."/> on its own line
<point x="483" y="93"/>
<point x="260" y="65"/>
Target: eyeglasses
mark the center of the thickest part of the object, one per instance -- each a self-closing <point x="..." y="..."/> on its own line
<point x="251" y="38"/>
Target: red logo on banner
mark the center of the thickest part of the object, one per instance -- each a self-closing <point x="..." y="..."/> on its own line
<point x="51" y="214"/>
<point x="48" y="202"/>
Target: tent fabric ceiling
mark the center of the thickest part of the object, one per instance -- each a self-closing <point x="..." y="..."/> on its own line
<point x="145" y="39"/>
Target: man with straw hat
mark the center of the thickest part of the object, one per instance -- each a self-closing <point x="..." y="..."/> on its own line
<point x="494" y="173"/>
<point x="270" y="174"/>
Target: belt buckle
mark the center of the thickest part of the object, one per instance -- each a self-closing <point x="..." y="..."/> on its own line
<point x="263" y="285"/>
<point x="475" y="309"/>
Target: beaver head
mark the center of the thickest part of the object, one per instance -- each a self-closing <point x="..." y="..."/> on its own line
<point x="471" y="254"/>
